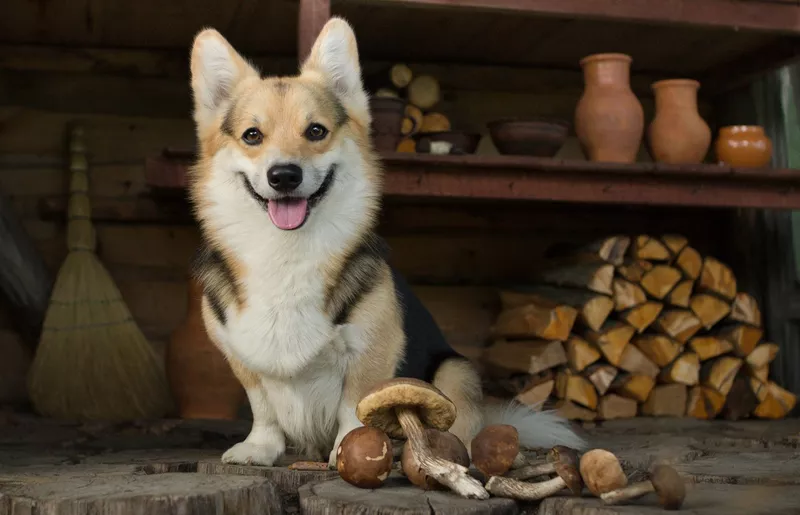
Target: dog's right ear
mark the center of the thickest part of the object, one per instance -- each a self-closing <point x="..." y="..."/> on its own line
<point x="216" y="70"/>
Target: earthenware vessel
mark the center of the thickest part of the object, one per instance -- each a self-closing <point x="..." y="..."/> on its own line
<point x="202" y="383"/>
<point x="743" y="146"/>
<point x="609" y="119"/>
<point x="677" y="134"/>
<point x="387" y="119"/>
<point x="540" y="137"/>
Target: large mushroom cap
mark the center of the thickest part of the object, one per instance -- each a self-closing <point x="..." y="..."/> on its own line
<point x="571" y="476"/>
<point x="377" y="407"/>
<point x="494" y="449"/>
<point x="602" y="472"/>
<point x="669" y="486"/>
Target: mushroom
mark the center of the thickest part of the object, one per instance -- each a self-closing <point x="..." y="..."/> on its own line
<point x="568" y="477"/>
<point x="664" y="481"/>
<point x="602" y="472"/>
<point x="558" y="454"/>
<point x="443" y="445"/>
<point x="364" y="458"/>
<point x="402" y="407"/>
<point x="495" y="449"/>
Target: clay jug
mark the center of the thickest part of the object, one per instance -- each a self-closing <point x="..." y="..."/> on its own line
<point x="677" y="134"/>
<point x="743" y="146"/>
<point x="609" y="119"/>
<point x="202" y="383"/>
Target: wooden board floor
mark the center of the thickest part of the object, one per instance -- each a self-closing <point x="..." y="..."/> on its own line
<point x="171" y="466"/>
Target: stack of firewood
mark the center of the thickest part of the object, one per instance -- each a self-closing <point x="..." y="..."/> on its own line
<point x="423" y="94"/>
<point x="636" y="326"/>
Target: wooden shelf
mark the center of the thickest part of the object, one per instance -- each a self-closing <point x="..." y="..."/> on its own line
<point x="528" y="178"/>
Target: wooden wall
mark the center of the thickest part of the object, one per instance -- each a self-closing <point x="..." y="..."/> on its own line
<point x="135" y="103"/>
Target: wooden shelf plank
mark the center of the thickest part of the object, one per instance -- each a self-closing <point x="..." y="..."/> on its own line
<point x="528" y="178"/>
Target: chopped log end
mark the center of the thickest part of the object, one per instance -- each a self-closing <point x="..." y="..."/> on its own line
<point x="400" y="75"/>
<point x="678" y="324"/>
<point x="633" y="387"/>
<point x="667" y="400"/>
<point x="689" y="262"/>
<point x="775" y="403"/>
<point x="612" y="339"/>
<point x="434" y="122"/>
<point x="525" y="356"/>
<point x="718" y="278"/>
<point x="762" y="355"/>
<point x="744" y="338"/>
<point x="424" y="91"/>
<point x="745" y="309"/>
<point x="534" y="321"/>
<point x="635" y="362"/>
<point x="720" y="373"/>
<point x="710" y="309"/>
<point x="659" y="281"/>
<point x="537" y="395"/>
<point x="406" y="145"/>
<point x="576" y="388"/>
<point x="704" y="403"/>
<point x="571" y="411"/>
<point x="593" y="308"/>
<point x="684" y="370"/>
<point x="681" y="294"/>
<point x="675" y="243"/>
<point x="741" y="400"/>
<point x="627" y="294"/>
<point x="646" y="247"/>
<point x="596" y="277"/>
<point x="641" y="317"/>
<point x="601" y="376"/>
<point x="613" y="406"/>
<point x="580" y="353"/>
<point x="408" y="127"/>
<point x="634" y="270"/>
<point x="614" y="249"/>
<point x="660" y="349"/>
<point x="707" y="347"/>
<point x="386" y="93"/>
<point x="761" y="373"/>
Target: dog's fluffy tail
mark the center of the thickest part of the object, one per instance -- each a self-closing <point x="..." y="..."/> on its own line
<point x="537" y="429"/>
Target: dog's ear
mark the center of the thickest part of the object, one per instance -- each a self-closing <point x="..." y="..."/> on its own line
<point x="216" y="69"/>
<point x="334" y="57"/>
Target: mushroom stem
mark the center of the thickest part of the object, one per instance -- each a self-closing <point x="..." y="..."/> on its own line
<point x="532" y="471"/>
<point x="506" y="487"/>
<point x="450" y="474"/>
<point x="633" y="491"/>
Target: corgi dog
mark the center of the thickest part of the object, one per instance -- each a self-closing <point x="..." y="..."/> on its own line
<point x="297" y="291"/>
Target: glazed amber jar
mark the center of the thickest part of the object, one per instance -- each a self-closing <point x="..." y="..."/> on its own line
<point x="743" y="146"/>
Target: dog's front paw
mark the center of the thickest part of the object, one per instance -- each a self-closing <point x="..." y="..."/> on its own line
<point x="246" y="453"/>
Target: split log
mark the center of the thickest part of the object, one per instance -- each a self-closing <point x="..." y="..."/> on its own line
<point x="533" y="321"/>
<point x="434" y="122"/>
<point x="634" y="270"/>
<point x="593" y="308"/>
<point x="571" y="411"/>
<point x="424" y="91"/>
<point x="762" y="355"/>
<point x="707" y="347"/>
<point x="580" y="353"/>
<point x="415" y="114"/>
<point x="601" y="376"/>
<point x="386" y="93"/>
<point x="525" y="356"/>
<point x="400" y="75"/>
<point x="718" y="278"/>
<point x="681" y="294"/>
<point x="627" y="294"/>
<point x="634" y="387"/>
<point x="636" y="363"/>
<point x="576" y="388"/>
<point x="537" y="393"/>
<point x="651" y="249"/>
<point x="684" y="370"/>
<point x="675" y="243"/>
<point x="659" y="281"/>
<point x="406" y="145"/>
<point x="678" y="324"/>
<point x="666" y="400"/>
<point x="761" y="373"/>
<point x="689" y="262"/>
<point x="613" y="406"/>
<point x="704" y="403"/>
<point x="610" y="250"/>
<point x="642" y="316"/>
<point x="774" y="402"/>
<point x="719" y="373"/>
<point x="408" y="127"/>
<point x="658" y="348"/>
<point x="744" y="338"/>
<point x="710" y="309"/>
<point x="611" y="339"/>
<point x="596" y="277"/>
<point x="745" y="309"/>
<point x="741" y="400"/>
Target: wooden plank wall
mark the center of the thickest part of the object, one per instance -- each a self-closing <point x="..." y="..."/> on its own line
<point x="135" y="103"/>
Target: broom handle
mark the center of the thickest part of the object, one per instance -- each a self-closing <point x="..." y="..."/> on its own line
<point x="80" y="232"/>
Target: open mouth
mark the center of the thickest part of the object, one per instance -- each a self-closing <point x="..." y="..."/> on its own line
<point x="289" y="213"/>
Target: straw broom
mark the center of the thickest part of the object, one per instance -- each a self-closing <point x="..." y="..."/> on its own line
<point x="92" y="362"/>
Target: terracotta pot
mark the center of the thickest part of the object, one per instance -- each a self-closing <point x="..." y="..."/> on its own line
<point x="744" y="146"/>
<point x="200" y="378"/>
<point x="387" y="119"/>
<point x="609" y="119"/>
<point x="677" y="134"/>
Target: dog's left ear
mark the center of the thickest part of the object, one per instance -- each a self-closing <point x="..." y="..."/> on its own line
<point x="334" y="57"/>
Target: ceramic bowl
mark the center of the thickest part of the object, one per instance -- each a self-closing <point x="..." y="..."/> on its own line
<point x="540" y="137"/>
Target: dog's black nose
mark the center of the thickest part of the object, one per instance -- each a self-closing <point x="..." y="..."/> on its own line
<point x="285" y="177"/>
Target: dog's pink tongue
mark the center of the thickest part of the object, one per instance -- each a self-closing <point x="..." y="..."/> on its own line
<point x="288" y="213"/>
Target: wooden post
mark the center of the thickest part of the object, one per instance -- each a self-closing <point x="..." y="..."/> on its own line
<point x="311" y="18"/>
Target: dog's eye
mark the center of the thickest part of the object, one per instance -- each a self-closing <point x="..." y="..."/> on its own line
<point x="252" y="136"/>
<point x="316" y="132"/>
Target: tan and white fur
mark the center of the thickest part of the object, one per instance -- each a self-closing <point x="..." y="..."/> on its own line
<point x="297" y="291"/>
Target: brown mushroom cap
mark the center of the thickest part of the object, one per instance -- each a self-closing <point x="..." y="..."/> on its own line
<point x="377" y="407"/>
<point x="494" y="449"/>
<point x="364" y="458"/>
<point x="602" y="472"/>
<point x="443" y="444"/>
<point x="562" y="454"/>
<point x="571" y="476"/>
<point x="669" y="486"/>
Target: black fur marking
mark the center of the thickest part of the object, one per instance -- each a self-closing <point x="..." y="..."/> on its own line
<point x="357" y="278"/>
<point x="426" y="346"/>
<point x="219" y="285"/>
